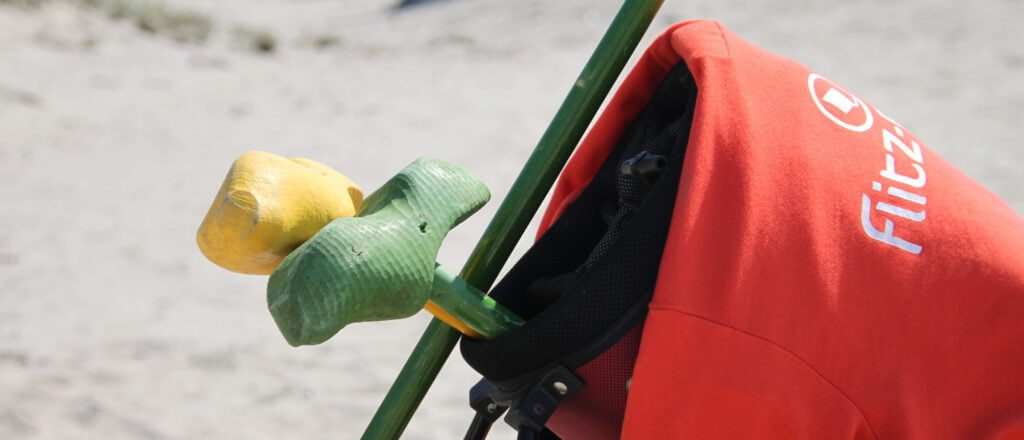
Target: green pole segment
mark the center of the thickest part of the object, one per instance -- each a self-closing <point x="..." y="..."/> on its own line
<point x="471" y="306"/>
<point x="518" y="208"/>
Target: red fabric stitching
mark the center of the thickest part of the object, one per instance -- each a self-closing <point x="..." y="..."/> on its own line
<point x="774" y="344"/>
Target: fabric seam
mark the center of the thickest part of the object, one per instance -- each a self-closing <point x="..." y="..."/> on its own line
<point x="784" y="349"/>
<point x="725" y="41"/>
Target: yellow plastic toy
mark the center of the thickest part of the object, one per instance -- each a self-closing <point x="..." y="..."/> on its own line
<point x="267" y="206"/>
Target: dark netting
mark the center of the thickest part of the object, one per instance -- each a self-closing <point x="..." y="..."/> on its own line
<point x="586" y="282"/>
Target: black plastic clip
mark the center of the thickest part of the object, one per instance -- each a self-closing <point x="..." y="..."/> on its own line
<point x="528" y="408"/>
<point x="487" y="410"/>
<point x="538" y="403"/>
<point x="645" y="166"/>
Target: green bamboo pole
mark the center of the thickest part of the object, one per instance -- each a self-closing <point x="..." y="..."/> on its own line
<point x="518" y="208"/>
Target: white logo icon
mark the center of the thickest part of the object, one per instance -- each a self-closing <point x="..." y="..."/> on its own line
<point x="843" y="102"/>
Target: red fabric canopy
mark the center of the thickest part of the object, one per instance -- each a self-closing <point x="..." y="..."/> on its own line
<point x="826" y="275"/>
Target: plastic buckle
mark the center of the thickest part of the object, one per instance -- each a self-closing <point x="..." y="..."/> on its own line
<point x="646" y="166"/>
<point x="536" y="404"/>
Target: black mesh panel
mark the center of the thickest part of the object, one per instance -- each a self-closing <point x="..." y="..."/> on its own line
<point x="588" y="279"/>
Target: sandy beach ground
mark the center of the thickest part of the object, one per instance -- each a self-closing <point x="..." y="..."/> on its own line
<point x="114" y="139"/>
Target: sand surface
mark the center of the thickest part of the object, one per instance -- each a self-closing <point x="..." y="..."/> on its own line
<point x="113" y="142"/>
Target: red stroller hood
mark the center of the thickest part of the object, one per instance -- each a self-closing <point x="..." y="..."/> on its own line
<point x="826" y="275"/>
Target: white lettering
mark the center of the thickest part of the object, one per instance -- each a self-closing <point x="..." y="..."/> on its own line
<point x="889" y="139"/>
<point x="890" y="173"/>
<point x="907" y="195"/>
<point x="888" y="235"/>
<point x="896" y="210"/>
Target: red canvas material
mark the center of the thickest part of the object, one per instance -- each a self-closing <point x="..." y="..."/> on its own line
<point x="826" y="275"/>
<point x="596" y="412"/>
